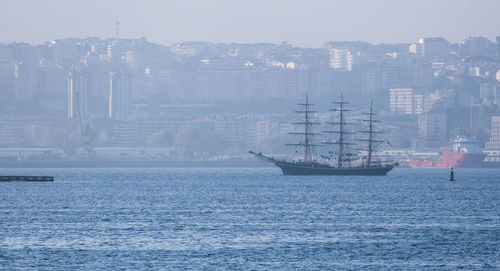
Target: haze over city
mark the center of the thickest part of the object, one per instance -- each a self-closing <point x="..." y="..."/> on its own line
<point x="302" y="23"/>
<point x="121" y="80"/>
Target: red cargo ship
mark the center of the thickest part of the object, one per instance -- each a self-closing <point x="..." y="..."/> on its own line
<point x="466" y="153"/>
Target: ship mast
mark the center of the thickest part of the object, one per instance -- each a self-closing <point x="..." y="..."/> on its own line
<point x="372" y="143"/>
<point x="341" y="142"/>
<point x="308" y="134"/>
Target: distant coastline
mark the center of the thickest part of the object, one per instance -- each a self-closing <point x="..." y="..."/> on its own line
<point x="131" y="164"/>
<point x="230" y="163"/>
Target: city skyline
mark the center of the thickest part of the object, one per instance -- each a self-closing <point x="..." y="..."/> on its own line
<point x="115" y="93"/>
<point x="223" y="21"/>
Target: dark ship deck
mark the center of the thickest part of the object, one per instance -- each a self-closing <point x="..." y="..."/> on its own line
<point x="302" y="169"/>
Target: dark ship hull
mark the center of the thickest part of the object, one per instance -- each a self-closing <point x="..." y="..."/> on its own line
<point x="301" y="169"/>
<point x="291" y="168"/>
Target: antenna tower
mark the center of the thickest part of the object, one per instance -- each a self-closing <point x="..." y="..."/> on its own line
<point x="117" y="25"/>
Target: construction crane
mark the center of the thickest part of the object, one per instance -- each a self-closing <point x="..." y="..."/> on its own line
<point x="85" y="128"/>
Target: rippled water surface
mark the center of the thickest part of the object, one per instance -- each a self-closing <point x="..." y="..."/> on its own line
<point x="248" y="219"/>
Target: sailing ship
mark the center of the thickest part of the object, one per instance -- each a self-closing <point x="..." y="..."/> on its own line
<point x="335" y="163"/>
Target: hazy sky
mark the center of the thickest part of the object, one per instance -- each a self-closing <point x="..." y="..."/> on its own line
<point x="300" y="22"/>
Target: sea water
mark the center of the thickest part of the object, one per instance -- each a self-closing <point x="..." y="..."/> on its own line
<point x="250" y="219"/>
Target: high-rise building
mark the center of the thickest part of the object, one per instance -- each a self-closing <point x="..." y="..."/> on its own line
<point x="433" y="47"/>
<point x="498" y="48"/>
<point x="266" y="128"/>
<point x="406" y="101"/>
<point x="390" y="75"/>
<point x="479" y="118"/>
<point x="432" y="128"/>
<point x="66" y="50"/>
<point x="6" y="72"/>
<point x="477" y="46"/>
<point x="120" y="91"/>
<point x="341" y="58"/>
<point x="52" y="84"/>
<point x="494" y="142"/>
<point x="341" y="83"/>
<point x="416" y="49"/>
<point x="25" y="80"/>
<point x="415" y="75"/>
<point x="98" y="92"/>
<point x="487" y="92"/>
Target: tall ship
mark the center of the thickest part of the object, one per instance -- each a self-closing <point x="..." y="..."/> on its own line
<point x="465" y="153"/>
<point x="341" y="161"/>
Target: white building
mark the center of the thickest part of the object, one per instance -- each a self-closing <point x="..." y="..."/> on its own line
<point x="341" y="58"/>
<point x="406" y="101"/>
<point x="494" y="142"/>
<point x="416" y="49"/>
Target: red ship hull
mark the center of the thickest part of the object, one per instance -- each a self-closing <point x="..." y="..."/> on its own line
<point x="450" y="159"/>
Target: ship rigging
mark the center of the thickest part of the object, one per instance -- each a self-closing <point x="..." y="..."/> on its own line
<point x="311" y="165"/>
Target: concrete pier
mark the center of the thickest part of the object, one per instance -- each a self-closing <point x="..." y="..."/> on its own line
<point x="26" y="179"/>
